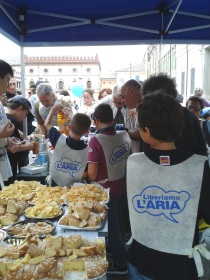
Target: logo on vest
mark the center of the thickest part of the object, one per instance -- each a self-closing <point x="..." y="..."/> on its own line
<point x="155" y="201"/>
<point x="119" y="153"/>
<point x="66" y="165"/>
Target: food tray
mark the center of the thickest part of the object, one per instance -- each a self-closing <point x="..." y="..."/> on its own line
<point x="45" y="218"/>
<point x="83" y="228"/>
<point x="26" y="223"/>
<point x="75" y="185"/>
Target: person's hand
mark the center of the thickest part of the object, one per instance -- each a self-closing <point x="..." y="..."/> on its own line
<point x="57" y="107"/>
<point x="7" y="130"/>
<point x="13" y="144"/>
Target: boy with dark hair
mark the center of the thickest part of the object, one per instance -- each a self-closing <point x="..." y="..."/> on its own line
<point x="70" y="155"/>
<point x="191" y="138"/>
<point x="6" y="127"/>
<point x="166" y="203"/>
<point x="107" y="158"/>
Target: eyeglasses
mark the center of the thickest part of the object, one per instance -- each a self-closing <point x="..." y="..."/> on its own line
<point x="195" y="109"/>
<point x="12" y="84"/>
<point x="122" y="95"/>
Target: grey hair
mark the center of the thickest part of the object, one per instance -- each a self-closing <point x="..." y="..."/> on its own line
<point x="116" y="92"/>
<point x="44" y="89"/>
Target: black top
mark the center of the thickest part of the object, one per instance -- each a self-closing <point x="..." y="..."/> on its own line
<point x="163" y="266"/>
<point x="192" y="139"/>
<point x="18" y="126"/>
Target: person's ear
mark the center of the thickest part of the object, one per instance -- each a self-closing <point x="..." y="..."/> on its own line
<point x="21" y="108"/>
<point x="147" y="131"/>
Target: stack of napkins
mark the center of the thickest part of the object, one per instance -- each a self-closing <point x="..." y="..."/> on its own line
<point x="32" y="169"/>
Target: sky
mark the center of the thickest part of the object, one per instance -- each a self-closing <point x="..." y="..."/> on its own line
<point x="111" y="57"/>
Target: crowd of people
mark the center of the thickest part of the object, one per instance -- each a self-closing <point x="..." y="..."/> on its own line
<point x="157" y="165"/>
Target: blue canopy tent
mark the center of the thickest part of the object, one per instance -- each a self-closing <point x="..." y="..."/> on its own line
<point x="83" y="22"/>
<point x="105" y="22"/>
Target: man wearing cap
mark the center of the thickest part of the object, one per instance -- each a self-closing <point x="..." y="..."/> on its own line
<point x="18" y="108"/>
<point x="46" y="99"/>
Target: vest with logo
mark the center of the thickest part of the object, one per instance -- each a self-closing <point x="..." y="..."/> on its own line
<point x="67" y="165"/>
<point x="163" y="202"/>
<point x="116" y="150"/>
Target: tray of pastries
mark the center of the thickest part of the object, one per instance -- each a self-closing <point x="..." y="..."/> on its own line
<point x="55" y="257"/>
<point x="10" y="211"/>
<point x="44" y="210"/>
<point x="84" y="215"/>
<point x="37" y="228"/>
<point x="87" y="192"/>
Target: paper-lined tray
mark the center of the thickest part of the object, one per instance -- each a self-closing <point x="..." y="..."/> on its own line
<point x="84" y="215"/>
<point x="87" y="192"/>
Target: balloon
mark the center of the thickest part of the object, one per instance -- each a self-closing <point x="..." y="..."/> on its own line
<point x="77" y="89"/>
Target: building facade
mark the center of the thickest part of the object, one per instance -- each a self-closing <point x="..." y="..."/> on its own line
<point x="188" y="64"/>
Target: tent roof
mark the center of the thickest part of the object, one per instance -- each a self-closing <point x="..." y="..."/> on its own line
<point x="105" y="22"/>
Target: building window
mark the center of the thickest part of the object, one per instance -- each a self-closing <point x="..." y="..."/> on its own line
<point x="192" y="80"/>
<point x="173" y="58"/>
<point x="31" y="70"/>
<point x="61" y="85"/>
<point x="60" y="70"/>
<point x="88" y="70"/>
<point x="46" y="70"/>
<point x="74" y="70"/>
<point x="137" y="78"/>
<point x="89" y="84"/>
<point x="182" y="82"/>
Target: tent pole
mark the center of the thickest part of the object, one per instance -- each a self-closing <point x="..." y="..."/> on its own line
<point x="22" y="64"/>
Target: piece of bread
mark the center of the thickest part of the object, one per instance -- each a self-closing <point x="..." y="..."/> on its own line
<point x="99" y="207"/>
<point x="12" y="255"/>
<point x="72" y="242"/>
<point x="2" y="252"/>
<point x="83" y="224"/>
<point x="2" y="210"/>
<point x="71" y="265"/>
<point x="46" y="266"/>
<point x="95" y="268"/>
<point x="28" y="272"/>
<point x="12" y="207"/>
<point x="13" y="266"/>
<point x="50" y="252"/>
<point x="23" y="249"/>
<point x="94" y="220"/>
<point x="90" y="251"/>
<point x="34" y="250"/>
<point x="3" y="270"/>
<point x="36" y="260"/>
<point x="73" y="221"/>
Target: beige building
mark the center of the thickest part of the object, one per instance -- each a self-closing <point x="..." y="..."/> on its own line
<point x="136" y="72"/>
<point x="62" y="71"/>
